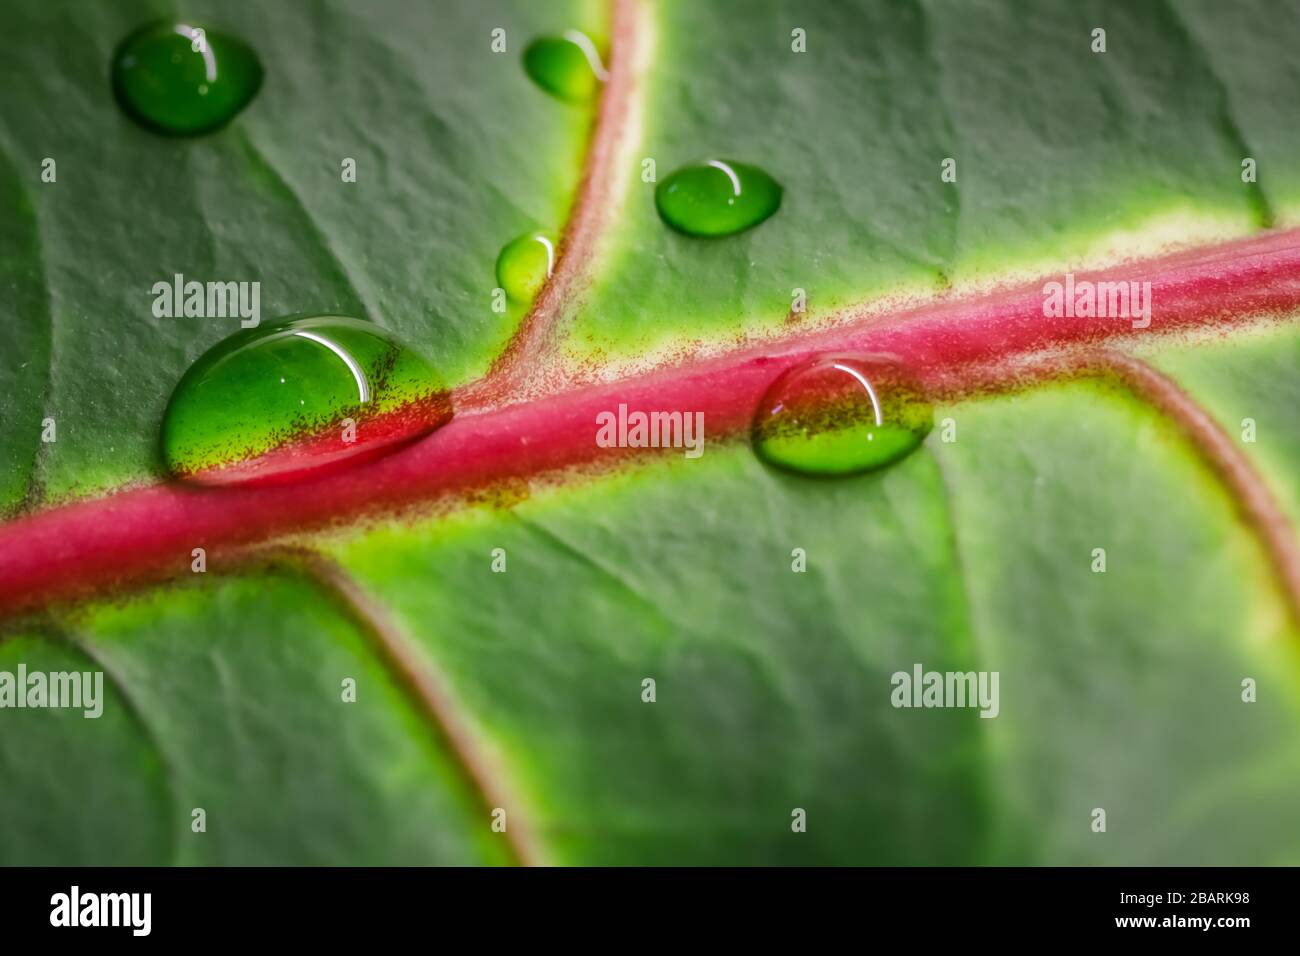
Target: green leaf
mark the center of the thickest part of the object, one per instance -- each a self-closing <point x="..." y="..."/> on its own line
<point x="1063" y="156"/>
<point x="499" y="642"/>
<point x="456" y="152"/>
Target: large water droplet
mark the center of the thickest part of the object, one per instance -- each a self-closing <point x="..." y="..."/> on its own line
<point x="841" y="415"/>
<point x="183" y="79"/>
<point x="717" y="198"/>
<point x="568" y="67"/>
<point x="282" y="401"/>
<point x="525" y="264"/>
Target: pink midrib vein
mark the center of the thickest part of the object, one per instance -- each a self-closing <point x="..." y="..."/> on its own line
<point x="957" y="347"/>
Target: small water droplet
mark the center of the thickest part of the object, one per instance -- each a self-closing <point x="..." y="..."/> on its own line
<point x="525" y="264"/>
<point x="273" y="404"/>
<point x="176" y="81"/>
<point x="569" y="67"/>
<point x="717" y="198"/>
<point x="841" y="415"/>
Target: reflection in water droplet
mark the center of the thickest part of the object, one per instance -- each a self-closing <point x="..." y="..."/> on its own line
<point x="525" y="264"/>
<point x="281" y="401"/>
<point x="568" y="67"/>
<point x="717" y="198"/>
<point x="182" y="79"/>
<point x="841" y="415"/>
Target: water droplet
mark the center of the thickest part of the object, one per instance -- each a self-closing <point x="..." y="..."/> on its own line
<point x="717" y="198"/>
<point x="841" y="415"/>
<point x="175" y="79"/>
<point x="568" y="67"/>
<point x="525" y="264"/>
<point x="278" y="402"/>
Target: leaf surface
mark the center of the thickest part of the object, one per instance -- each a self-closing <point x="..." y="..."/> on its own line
<point x="522" y="690"/>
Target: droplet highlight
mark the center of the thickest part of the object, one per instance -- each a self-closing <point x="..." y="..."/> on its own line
<point x="184" y="79"/>
<point x="525" y="264"/>
<point x="717" y="198"/>
<point x="841" y="415"/>
<point x="569" y="67"/>
<point x="284" y="401"/>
